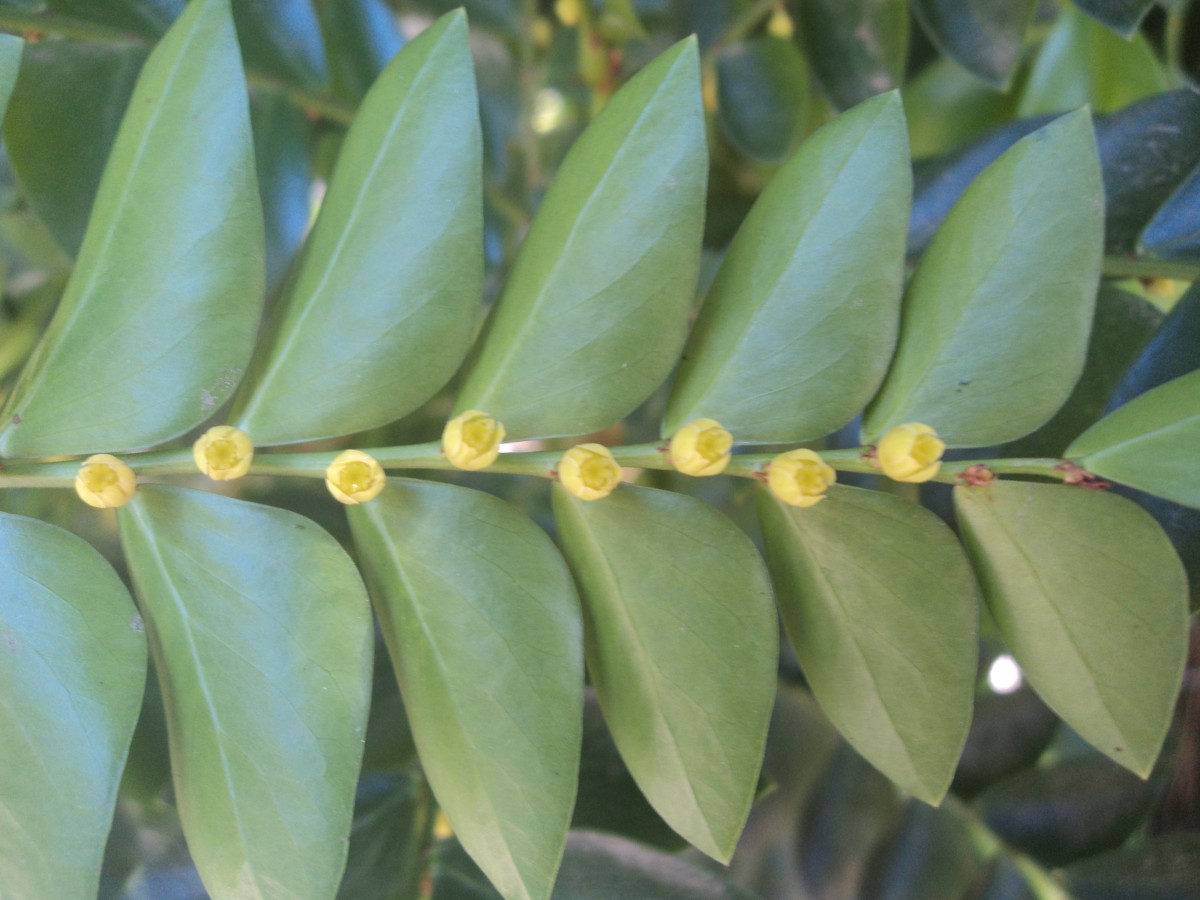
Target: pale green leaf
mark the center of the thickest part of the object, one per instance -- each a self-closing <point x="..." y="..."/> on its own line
<point x="485" y="632"/>
<point x="261" y="633"/>
<point x="11" y="50"/>
<point x="1091" y="599"/>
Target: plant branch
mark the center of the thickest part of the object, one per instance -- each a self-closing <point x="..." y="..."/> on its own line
<point x="1147" y="267"/>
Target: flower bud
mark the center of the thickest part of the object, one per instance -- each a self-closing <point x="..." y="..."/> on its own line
<point x="800" y="477"/>
<point x="589" y="472"/>
<point x="105" y="482"/>
<point x="701" y="448"/>
<point x="910" y="452"/>
<point x="472" y="441"/>
<point x="354" y="477"/>
<point x="223" y="453"/>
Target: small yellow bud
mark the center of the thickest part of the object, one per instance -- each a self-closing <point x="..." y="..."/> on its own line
<point x="910" y="452"/>
<point x="223" y="453"/>
<point x="800" y="477"/>
<point x="105" y="482"/>
<point x="589" y="472"/>
<point x="701" y="448"/>
<point x="569" y="12"/>
<point x="354" y="477"/>
<point x="472" y="441"/>
<point x="780" y="25"/>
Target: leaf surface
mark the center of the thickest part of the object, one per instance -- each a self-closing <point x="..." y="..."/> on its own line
<point x="983" y="36"/>
<point x="856" y="48"/>
<point x="762" y="96"/>
<point x="1120" y="15"/>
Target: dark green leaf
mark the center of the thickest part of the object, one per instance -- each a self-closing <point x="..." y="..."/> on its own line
<point x="281" y="139"/>
<point x="498" y="15"/>
<point x="595" y="310"/>
<point x="1120" y="15"/>
<point x="362" y="39"/>
<point x="1091" y="599"/>
<point x="261" y="633"/>
<point x="484" y="630"/>
<point x="1164" y="867"/>
<point x="946" y="106"/>
<point x="63" y="120"/>
<point x="856" y="48"/>
<point x="1149" y="443"/>
<point x="880" y="603"/>
<point x="282" y="38"/>
<point x="996" y="317"/>
<point x="796" y="332"/>
<point x="1174" y="232"/>
<point x="930" y="853"/>
<point x="379" y="312"/>
<point x="983" y="36"/>
<point x="149" y="18"/>
<point x="1008" y="732"/>
<point x="159" y="317"/>
<point x="391" y="817"/>
<point x="762" y="96"/>
<point x="681" y="648"/>
<point x="72" y="666"/>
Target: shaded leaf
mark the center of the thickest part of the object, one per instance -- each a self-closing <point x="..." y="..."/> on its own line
<point x="681" y="648"/>
<point x="379" y="312"/>
<point x="796" y="331"/>
<point x="996" y="318"/>
<point x="762" y="96"/>
<point x="484" y="630"/>
<point x="281" y="138"/>
<point x="149" y="18"/>
<point x="1174" y="232"/>
<point x="1091" y="599"/>
<point x="72" y="664"/>
<point x="1161" y="868"/>
<point x="1120" y="15"/>
<point x="158" y="319"/>
<point x="391" y="816"/>
<point x="611" y="259"/>
<point x="856" y="48"/>
<point x="362" y="38"/>
<point x="261" y="634"/>
<point x="282" y="38"/>
<point x="930" y="853"/>
<point x="983" y="36"/>
<point x="1008" y="732"/>
<point x="947" y="106"/>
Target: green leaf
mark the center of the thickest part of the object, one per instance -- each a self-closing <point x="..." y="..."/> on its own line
<point x="596" y="307"/>
<point x="795" y="335"/>
<point x="996" y="318"/>
<point x="72" y="666"/>
<point x="681" y="648"/>
<point x="380" y="309"/>
<point x="261" y="634"/>
<point x="362" y="37"/>
<point x="282" y="39"/>
<point x="1174" y="232"/>
<point x="857" y="48"/>
<point x="281" y="140"/>
<point x="391" y="818"/>
<point x="1150" y="442"/>
<point x="62" y="122"/>
<point x="762" y="96"/>
<point x="1120" y="15"/>
<point x="983" y="36"/>
<point x="484" y="630"/>
<point x="149" y="18"/>
<point x="160" y="314"/>
<point x="880" y="603"/>
<point x="1092" y="601"/>
<point x="946" y="106"/>
<point x="1082" y="62"/>
<point x="11" y="51"/>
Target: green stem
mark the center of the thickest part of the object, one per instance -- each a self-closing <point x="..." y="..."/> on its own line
<point x="1145" y="267"/>
<point x="745" y="23"/>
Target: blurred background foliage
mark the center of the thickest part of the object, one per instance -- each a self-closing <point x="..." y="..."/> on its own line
<point x="1034" y="812"/>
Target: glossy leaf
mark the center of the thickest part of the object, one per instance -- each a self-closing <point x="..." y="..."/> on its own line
<point x="681" y="648"/>
<point x="983" y="36"/>
<point x="149" y="18"/>
<point x="379" y="312"/>
<point x="762" y="96"/>
<point x="1174" y="232"/>
<point x="484" y="630"/>
<point x="996" y="317"/>
<point x="261" y="633"/>
<point x="362" y="38"/>
<point x="1150" y="442"/>
<point x="611" y="259"/>
<point x="160" y="314"/>
<point x="1092" y="601"/>
<point x="1081" y="62"/>
<point x="72" y="666"/>
<point x="880" y="603"/>
<point x="796" y="331"/>
<point x="63" y="119"/>
<point x="281" y="139"/>
<point x="1120" y="15"/>
<point x="857" y="48"/>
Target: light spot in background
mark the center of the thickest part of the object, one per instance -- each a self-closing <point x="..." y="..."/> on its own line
<point x="549" y="110"/>
<point x="1004" y="675"/>
<point x="522" y="446"/>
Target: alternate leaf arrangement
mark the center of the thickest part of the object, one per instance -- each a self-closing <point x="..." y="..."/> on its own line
<point x="809" y="323"/>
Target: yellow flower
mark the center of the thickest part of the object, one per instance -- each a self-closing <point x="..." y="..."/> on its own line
<point x="223" y="453"/>
<point x="472" y="440"/>
<point x="800" y="477"/>
<point x="910" y="452"/>
<point x="589" y="472"/>
<point x="105" y="482"/>
<point x="701" y="448"/>
<point x="354" y="477"/>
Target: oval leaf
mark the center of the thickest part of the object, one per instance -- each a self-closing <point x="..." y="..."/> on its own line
<point x="262" y="641"/>
<point x="856" y="48"/>
<point x="1174" y="232"/>
<point x="983" y="36"/>
<point x="1092" y="601"/>
<point x="158" y="320"/>
<point x="1120" y="15"/>
<point x="681" y="646"/>
<point x="797" y="330"/>
<point x="880" y="603"/>
<point x="595" y="310"/>
<point x="484" y="628"/>
<point x="762" y="96"/>
<point x="282" y="135"/>
<point x="996" y="319"/>
<point x="72" y="668"/>
<point x="380" y="310"/>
